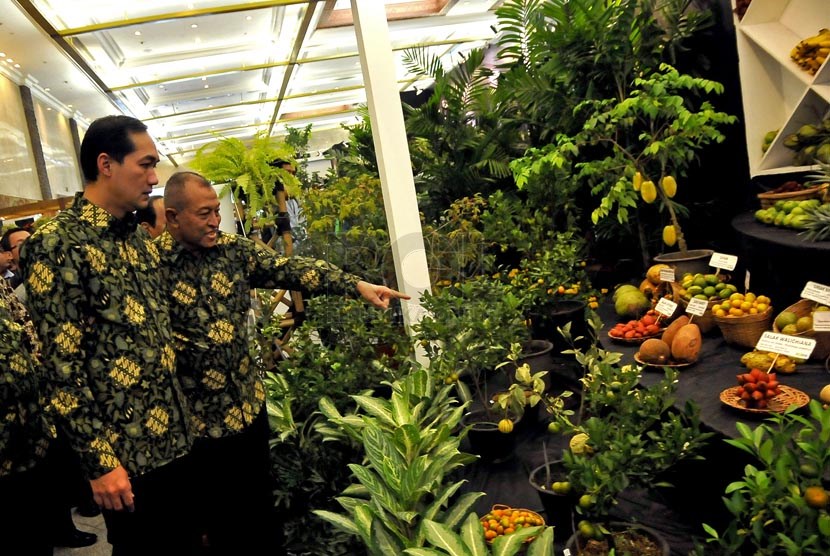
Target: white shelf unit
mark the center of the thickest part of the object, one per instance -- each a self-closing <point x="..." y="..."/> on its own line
<point x="777" y="93"/>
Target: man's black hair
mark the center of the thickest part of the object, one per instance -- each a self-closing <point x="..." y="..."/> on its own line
<point x="6" y="240"/>
<point x="110" y="135"/>
<point x="148" y="213"/>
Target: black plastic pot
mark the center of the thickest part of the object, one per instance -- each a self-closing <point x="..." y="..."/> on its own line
<point x="558" y="507"/>
<point x="538" y="354"/>
<point x="693" y="260"/>
<point x="485" y="439"/>
<point x="615" y="526"/>
<point x="544" y="324"/>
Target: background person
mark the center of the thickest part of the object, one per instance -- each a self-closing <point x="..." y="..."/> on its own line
<point x="152" y="217"/>
<point x="95" y="293"/>
<point x="210" y="276"/>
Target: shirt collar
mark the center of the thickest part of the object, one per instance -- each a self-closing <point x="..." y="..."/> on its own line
<point x="100" y="218"/>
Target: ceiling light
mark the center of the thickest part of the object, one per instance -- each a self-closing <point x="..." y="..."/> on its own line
<point x="47" y="89"/>
<point x="198" y="40"/>
<point x="49" y="108"/>
<point x="194" y="26"/>
<point x="2" y="54"/>
<point x="17" y="65"/>
<point x="207" y="86"/>
<point x="137" y="33"/>
<point x="69" y="106"/>
<point x="9" y="60"/>
<point x="248" y="18"/>
<point x="204" y="78"/>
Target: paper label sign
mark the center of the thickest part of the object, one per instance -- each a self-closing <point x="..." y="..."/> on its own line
<point x="821" y="321"/>
<point x="697" y="306"/>
<point x="816" y="292"/>
<point x="791" y="346"/>
<point x="666" y="307"/>
<point x="726" y="262"/>
<point x="667" y="275"/>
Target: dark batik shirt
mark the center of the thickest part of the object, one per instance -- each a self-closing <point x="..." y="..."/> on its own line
<point x="24" y="429"/>
<point x="210" y="295"/>
<point x="94" y="292"/>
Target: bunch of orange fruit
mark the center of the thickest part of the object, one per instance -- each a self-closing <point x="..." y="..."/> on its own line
<point x="508" y="520"/>
<point x="742" y="304"/>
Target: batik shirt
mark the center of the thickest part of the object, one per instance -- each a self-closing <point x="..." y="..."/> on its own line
<point x="210" y="295"/>
<point x="24" y="430"/>
<point x="94" y="292"/>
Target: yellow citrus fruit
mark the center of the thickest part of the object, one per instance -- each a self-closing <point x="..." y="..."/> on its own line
<point x="763" y="299"/>
<point x="586" y="501"/>
<point x="784" y="318"/>
<point x="505" y="426"/>
<point x="586" y="529"/>
<point x="816" y="497"/>
<point x="804" y="324"/>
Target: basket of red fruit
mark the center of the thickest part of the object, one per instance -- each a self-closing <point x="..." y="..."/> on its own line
<point x="760" y="392"/>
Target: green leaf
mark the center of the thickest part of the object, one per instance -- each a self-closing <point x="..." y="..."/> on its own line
<point x="341" y="522"/>
<point x="543" y="544"/>
<point x="376" y="408"/>
<point x="442" y="536"/>
<point x="473" y="537"/>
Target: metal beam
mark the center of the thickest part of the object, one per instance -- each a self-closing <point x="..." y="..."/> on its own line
<point x="184" y="14"/>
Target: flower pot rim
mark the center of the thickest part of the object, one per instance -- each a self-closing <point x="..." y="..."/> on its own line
<point x="656" y="536"/>
<point x="535" y="470"/>
<point x="539" y="346"/>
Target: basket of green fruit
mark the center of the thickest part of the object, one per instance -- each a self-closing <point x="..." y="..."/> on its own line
<point x="797" y="320"/>
<point x="713" y="288"/>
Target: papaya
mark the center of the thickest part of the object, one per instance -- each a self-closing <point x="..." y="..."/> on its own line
<point x="655" y="351"/>
<point x="685" y="346"/>
<point x="671" y="329"/>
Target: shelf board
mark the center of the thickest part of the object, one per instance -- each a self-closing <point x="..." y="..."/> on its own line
<point x="777" y="40"/>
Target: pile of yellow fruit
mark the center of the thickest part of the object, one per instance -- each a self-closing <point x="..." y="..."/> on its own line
<point x="788" y="322"/>
<point x="742" y="304"/>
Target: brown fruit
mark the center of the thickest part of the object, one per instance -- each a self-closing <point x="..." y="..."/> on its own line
<point x="671" y="330"/>
<point x="655" y="351"/>
<point x="686" y="344"/>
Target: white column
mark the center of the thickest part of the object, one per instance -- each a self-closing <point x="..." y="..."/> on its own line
<point x="392" y="150"/>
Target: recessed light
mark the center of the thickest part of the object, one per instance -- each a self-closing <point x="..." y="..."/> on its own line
<point x="49" y="108"/>
<point x="207" y="86"/>
<point x="194" y="26"/>
<point x="198" y="40"/>
<point x="9" y="60"/>
<point x="248" y="17"/>
<point x="2" y="54"/>
<point x="69" y="106"/>
<point x="137" y="33"/>
<point x="204" y="78"/>
<point x="47" y="89"/>
<point x="210" y="106"/>
<point x="17" y="65"/>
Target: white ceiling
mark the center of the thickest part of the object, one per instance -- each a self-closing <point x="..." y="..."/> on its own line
<point x="191" y="70"/>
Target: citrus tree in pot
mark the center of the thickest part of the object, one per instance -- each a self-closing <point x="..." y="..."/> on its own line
<point x="624" y="436"/>
<point x="469" y="332"/>
<point x="780" y="504"/>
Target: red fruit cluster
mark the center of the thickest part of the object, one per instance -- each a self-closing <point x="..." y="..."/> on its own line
<point x="647" y="326"/>
<point x="756" y="388"/>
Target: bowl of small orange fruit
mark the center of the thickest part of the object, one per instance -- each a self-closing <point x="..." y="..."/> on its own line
<point x="504" y="520"/>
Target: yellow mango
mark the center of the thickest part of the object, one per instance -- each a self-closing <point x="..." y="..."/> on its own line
<point x="669" y="186"/>
<point x="648" y="191"/>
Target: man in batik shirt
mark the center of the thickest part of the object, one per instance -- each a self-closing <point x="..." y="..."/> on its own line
<point x="24" y="437"/>
<point x="210" y="276"/>
<point x="95" y="295"/>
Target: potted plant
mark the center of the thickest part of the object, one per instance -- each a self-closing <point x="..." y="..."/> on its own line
<point x="634" y="149"/>
<point x="623" y="436"/>
<point x="411" y="446"/>
<point x="780" y="505"/>
<point x="469" y="333"/>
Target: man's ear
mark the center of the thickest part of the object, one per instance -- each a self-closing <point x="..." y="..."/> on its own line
<point x="145" y="225"/>
<point x="171" y="215"/>
<point x="104" y="164"/>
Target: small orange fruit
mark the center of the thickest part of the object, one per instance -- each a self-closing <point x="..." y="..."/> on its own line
<point x="505" y="426"/>
<point x="816" y="497"/>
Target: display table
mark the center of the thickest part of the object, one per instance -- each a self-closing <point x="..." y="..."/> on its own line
<point x="780" y="261"/>
<point x="716" y="370"/>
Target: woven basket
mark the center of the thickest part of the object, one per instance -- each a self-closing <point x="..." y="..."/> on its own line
<point x="746" y="330"/>
<point x="803" y="308"/>
<point x="505" y="507"/>
<point x="706" y="321"/>
<point x="769" y="199"/>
